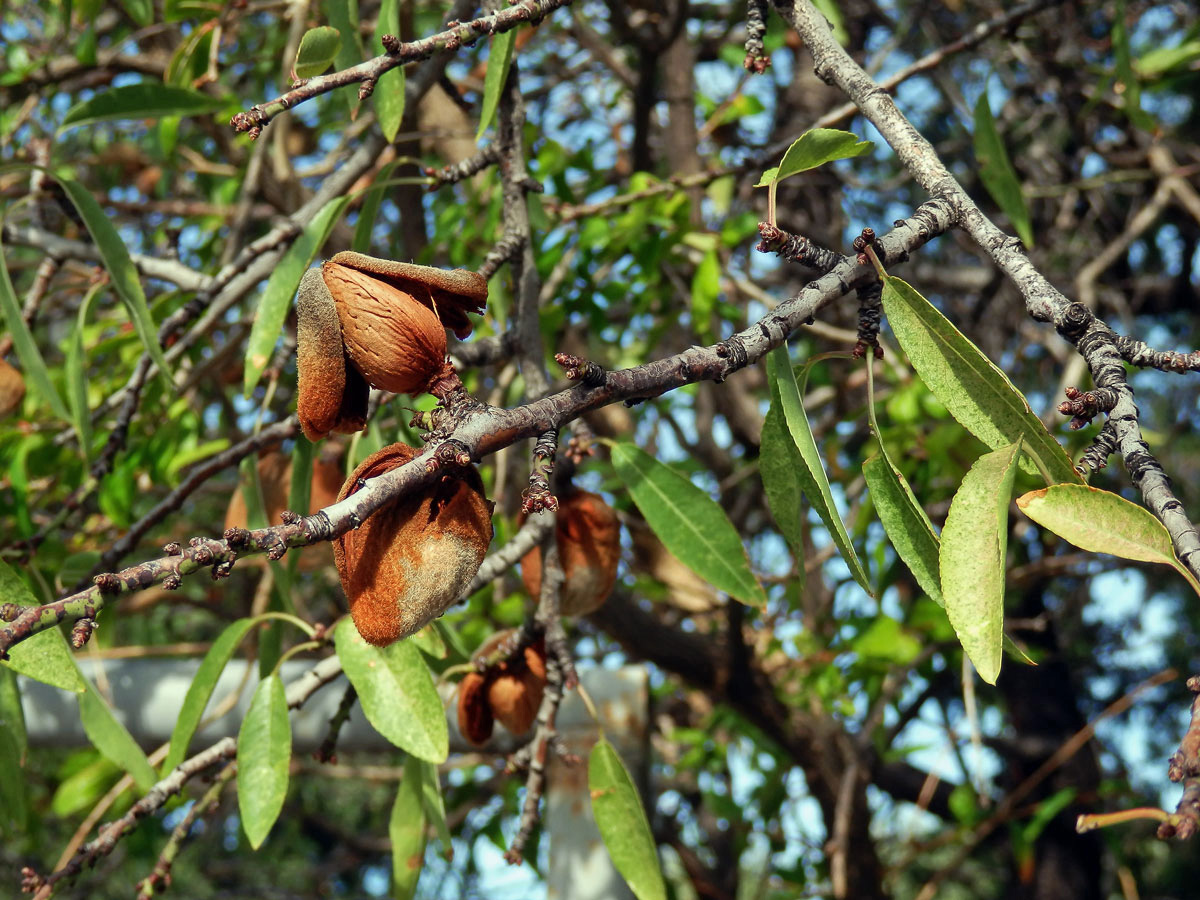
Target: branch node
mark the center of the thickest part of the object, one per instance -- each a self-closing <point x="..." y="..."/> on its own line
<point x="108" y="583"/>
<point x="82" y="631"/>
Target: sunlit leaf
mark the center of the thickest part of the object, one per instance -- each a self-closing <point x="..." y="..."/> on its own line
<point x="144" y="100"/>
<point x="621" y="818"/>
<point x="406" y="828"/>
<point x="281" y="288"/>
<point x="318" y="49"/>
<point x="43" y="657"/>
<point x="688" y="522"/>
<point x="1103" y="522"/>
<point x="779" y="464"/>
<point x="997" y="173"/>
<point x="975" y="391"/>
<point x="499" y="62"/>
<point x="814" y="482"/>
<point x="388" y="95"/>
<point x="397" y="693"/>
<point x="112" y="739"/>
<point x="75" y="369"/>
<point x="264" y="753"/>
<point x="905" y="522"/>
<point x="815" y="148"/>
<point x="201" y="688"/>
<point x="706" y="287"/>
<point x="974" y="546"/>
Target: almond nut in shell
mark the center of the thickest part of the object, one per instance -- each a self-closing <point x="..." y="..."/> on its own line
<point x="412" y="558"/>
<point x="589" y="547"/>
<point x="331" y="394"/>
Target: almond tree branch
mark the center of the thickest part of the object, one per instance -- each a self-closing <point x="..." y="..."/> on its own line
<point x="1094" y="340"/>
<point x="487" y="429"/>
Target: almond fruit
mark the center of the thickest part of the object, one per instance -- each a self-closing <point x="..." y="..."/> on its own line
<point x="475" y="720"/>
<point x="12" y="389"/>
<point x="589" y="547"/>
<point x="412" y="558"/>
<point x="331" y="393"/>
<point x="509" y="691"/>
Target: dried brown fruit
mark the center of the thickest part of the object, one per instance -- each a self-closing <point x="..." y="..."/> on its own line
<point x="450" y="293"/>
<point x="589" y="547"/>
<point x="515" y="691"/>
<point x="509" y="691"/>
<point x="331" y="393"/>
<point x="12" y="389"/>
<point x="398" y="344"/>
<point x="411" y="559"/>
<point x="475" y="719"/>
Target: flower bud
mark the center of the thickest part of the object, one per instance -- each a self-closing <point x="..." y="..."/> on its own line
<point x="412" y="558"/>
<point x="589" y="547"/>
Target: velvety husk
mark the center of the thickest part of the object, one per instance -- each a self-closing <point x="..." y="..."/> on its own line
<point x="398" y="344"/>
<point x="450" y="293"/>
<point x="331" y="394"/>
<point x="589" y="547"/>
<point x="475" y="720"/>
<point x="12" y="389"/>
<point x="515" y="691"/>
<point x="413" y="558"/>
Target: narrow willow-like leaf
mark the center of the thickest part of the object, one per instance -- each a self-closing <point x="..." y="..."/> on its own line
<point x="121" y="271"/>
<point x="11" y="714"/>
<point x="976" y="392"/>
<point x="406" y="828"/>
<point x="144" y="100"/>
<point x="369" y="211"/>
<point x="77" y="379"/>
<point x="201" y="688"/>
<point x="689" y="523"/>
<point x="905" y="523"/>
<point x="974" y="545"/>
<point x="281" y="288"/>
<point x="1103" y="522"/>
<point x="300" y="490"/>
<point x="14" y="807"/>
<point x="778" y="465"/>
<point x="499" y="62"/>
<point x="112" y="739"/>
<point x="815" y="148"/>
<point x="434" y="806"/>
<point x="343" y="15"/>
<point x="43" y="657"/>
<point x="997" y="173"/>
<point x="388" y="95"/>
<point x="264" y="753"/>
<point x="785" y="391"/>
<point x="397" y="693"/>
<point x="27" y="349"/>
<point x="706" y="287"/>
<point x="619" y="815"/>
<point x="318" y="49"/>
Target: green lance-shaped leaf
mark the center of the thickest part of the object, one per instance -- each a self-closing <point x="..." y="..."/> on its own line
<point x="1131" y="90"/>
<point x="26" y="347"/>
<point x="318" y="49"/>
<point x="905" y="523"/>
<point x="434" y="806"/>
<point x="706" y="287"/>
<point x="388" y="95"/>
<point x="369" y="210"/>
<point x="688" y="522"/>
<point x="200" y="690"/>
<point x="144" y="100"/>
<point x="786" y="393"/>
<point x="77" y="379"/>
<point x="815" y="148"/>
<point x="397" y="693"/>
<point x="121" y="271"/>
<point x="43" y="657"/>
<point x="14" y="805"/>
<point x="976" y="392"/>
<point x="779" y="464"/>
<point x="343" y="15"/>
<point x="499" y="62"/>
<point x="406" y="828"/>
<point x="1103" y="522"/>
<point x="112" y="739"/>
<point x="974" y="545"/>
<point x="281" y="287"/>
<point x="619" y="815"/>
<point x="264" y="753"/>
<point x="997" y="173"/>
